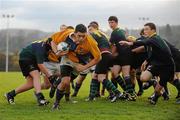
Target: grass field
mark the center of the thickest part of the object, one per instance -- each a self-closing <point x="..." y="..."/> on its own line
<point x="26" y="108"/>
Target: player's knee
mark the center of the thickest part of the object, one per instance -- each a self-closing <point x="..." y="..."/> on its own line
<point x="101" y="78"/>
<point x="143" y="77"/>
<point x="47" y="85"/>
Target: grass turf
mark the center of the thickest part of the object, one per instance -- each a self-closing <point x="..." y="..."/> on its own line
<point x="26" y="107"/>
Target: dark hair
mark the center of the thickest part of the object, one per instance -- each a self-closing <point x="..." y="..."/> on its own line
<point x="70" y="27"/>
<point x="80" y="28"/>
<point x="93" y="24"/>
<point x="142" y="32"/>
<point x="113" y="18"/>
<point x="151" y="25"/>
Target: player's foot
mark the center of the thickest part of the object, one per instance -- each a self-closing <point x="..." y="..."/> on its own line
<point x="41" y="100"/>
<point x="111" y="95"/>
<point x="56" y="106"/>
<point x="154" y="99"/>
<point x="102" y="92"/>
<point x="149" y="98"/>
<point x="97" y="95"/>
<point x="89" y="99"/>
<point x="140" y="92"/>
<point x="131" y="96"/>
<point x="119" y="96"/>
<point x="165" y="96"/>
<point x="9" y="98"/>
<point x="74" y="94"/>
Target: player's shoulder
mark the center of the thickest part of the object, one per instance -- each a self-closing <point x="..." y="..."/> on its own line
<point x="118" y="30"/>
<point x="90" y="39"/>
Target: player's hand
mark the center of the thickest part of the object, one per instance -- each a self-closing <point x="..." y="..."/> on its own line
<point x="143" y="66"/>
<point x="125" y="43"/>
<point x="52" y="78"/>
<point x="62" y="53"/>
<point x="80" y="67"/>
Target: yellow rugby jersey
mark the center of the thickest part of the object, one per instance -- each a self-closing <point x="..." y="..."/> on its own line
<point x="57" y="38"/>
<point x="89" y="45"/>
<point x="61" y="36"/>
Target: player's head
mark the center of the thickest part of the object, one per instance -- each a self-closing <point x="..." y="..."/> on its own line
<point x="80" y="32"/>
<point x="63" y="27"/>
<point x="93" y="26"/>
<point x="149" y="29"/>
<point x="70" y="27"/>
<point x="113" y="22"/>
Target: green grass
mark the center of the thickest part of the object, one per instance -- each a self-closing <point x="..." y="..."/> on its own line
<point x="26" y="108"/>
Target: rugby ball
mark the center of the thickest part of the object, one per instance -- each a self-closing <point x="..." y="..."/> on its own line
<point x="63" y="46"/>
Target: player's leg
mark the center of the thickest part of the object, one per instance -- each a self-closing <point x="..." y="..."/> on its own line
<point x="133" y="77"/>
<point x="116" y="76"/>
<point x="25" y="87"/>
<point x="140" y="83"/>
<point x="78" y="84"/>
<point x="129" y="86"/>
<point x="65" y="83"/>
<point x="166" y="73"/>
<point x="37" y="86"/>
<point x="93" y="87"/>
<point x="176" y="83"/>
<point x="46" y="84"/>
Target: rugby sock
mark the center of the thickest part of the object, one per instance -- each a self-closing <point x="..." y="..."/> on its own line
<point x="165" y="95"/>
<point x="110" y="86"/>
<point x="121" y="82"/>
<point x="133" y="85"/>
<point x="166" y="89"/>
<point x="156" y="96"/>
<point x="129" y="86"/>
<point x="59" y="95"/>
<point x="98" y="89"/>
<point x="93" y="88"/>
<point x="12" y="93"/>
<point x="114" y="82"/>
<point x="140" y="84"/>
<point x="57" y="82"/>
<point x="72" y="80"/>
<point x="67" y="96"/>
<point x="77" y="87"/>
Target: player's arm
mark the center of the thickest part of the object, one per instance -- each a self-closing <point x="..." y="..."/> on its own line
<point x="44" y="70"/>
<point x="96" y="57"/>
<point x="54" y="47"/>
<point x="139" y="49"/>
<point x="113" y="45"/>
<point x="40" y="57"/>
<point x="143" y="66"/>
<point x="96" y="54"/>
<point x="137" y="43"/>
